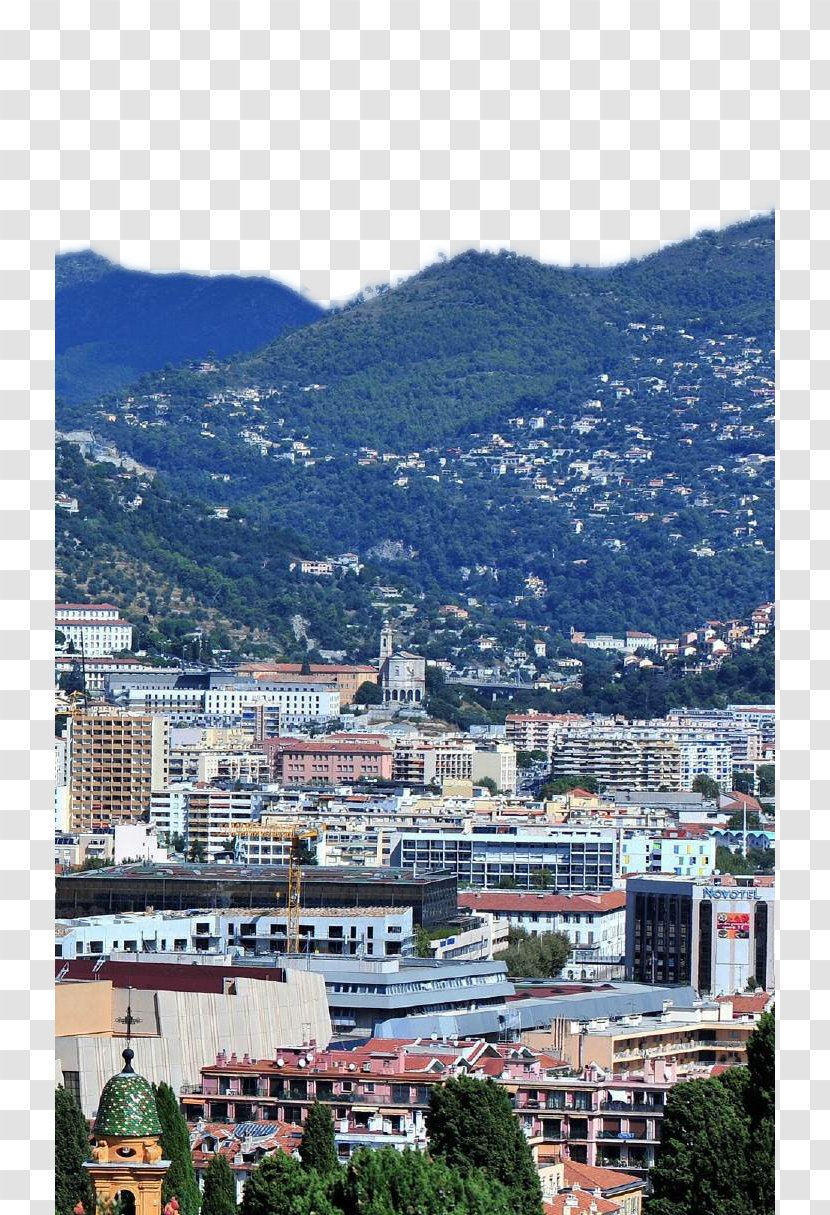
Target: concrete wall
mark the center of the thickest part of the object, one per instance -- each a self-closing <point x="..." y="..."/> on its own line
<point x="192" y="1027"/>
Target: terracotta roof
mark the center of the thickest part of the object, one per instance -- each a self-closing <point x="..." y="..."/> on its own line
<point x="325" y="746"/>
<point x="591" y="1177"/>
<point x="511" y="901"/>
<point x="586" y="1204"/>
<point x="87" y="607"/>
<point x="746" y="1005"/>
<point x="109" y="623"/>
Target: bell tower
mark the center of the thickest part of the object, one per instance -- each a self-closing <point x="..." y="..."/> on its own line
<point x="126" y="1162"/>
<point x="387" y="641"/>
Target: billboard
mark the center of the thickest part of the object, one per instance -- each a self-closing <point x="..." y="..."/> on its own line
<point x="733" y="926"/>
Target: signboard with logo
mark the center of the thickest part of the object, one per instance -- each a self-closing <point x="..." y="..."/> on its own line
<point x="733" y="926"/>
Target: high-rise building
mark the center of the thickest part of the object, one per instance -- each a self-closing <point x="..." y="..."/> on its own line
<point x="117" y="759"/>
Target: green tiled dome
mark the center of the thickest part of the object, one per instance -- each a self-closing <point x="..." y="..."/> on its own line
<point x="127" y="1106"/>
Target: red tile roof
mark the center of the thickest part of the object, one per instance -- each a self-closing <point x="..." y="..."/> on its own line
<point x="511" y="901"/>
<point x="586" y="1204"/>
<point x="591" y="1177"/>
<point x="747" y="1005"/>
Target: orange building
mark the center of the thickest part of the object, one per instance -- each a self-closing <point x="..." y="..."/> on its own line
<point x="348" y="678"/>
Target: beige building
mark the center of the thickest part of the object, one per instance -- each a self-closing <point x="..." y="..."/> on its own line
<point x="178" y="1031"/>
<point x="677" y="1043"/>
<point x="117" y="758"/>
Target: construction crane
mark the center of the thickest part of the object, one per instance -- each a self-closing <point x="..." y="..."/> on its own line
<point x="294" y="832"/>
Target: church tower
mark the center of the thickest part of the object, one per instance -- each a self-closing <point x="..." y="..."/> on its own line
<point x="126" y="1162"/>
<point x="387" y="642"/>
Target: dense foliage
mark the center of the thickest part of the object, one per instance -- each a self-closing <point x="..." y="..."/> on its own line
<point x="539" y="956"/>
<point x="317" y="1150"/>
<point x="386" y="1182"/>
<point x="281" y="1186"/>
<point x="728" y="1119"/>
<point x="471" y="1125"/>
<point x="180" y="1179"/>
<point x="219" y="1194"/>
<point x="113" y="324"/>
<point x="72" y="1184"/>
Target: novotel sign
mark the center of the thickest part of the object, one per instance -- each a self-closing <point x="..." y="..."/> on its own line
<point x="742" y="893"/>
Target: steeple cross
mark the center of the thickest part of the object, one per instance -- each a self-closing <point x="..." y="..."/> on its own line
<point x="129" y="1020"/>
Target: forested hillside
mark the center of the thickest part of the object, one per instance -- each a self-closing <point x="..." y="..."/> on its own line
<point x="112" y="324"/>
<point x="581" y="448"/>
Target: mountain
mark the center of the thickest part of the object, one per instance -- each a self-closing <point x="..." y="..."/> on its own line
<point x="112" y="325"/>
<point x="574" y="447"/>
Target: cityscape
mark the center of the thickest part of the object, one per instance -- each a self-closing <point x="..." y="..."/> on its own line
<point x="396" y="855"/>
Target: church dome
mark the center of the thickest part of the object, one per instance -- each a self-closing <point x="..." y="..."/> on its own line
<point x="127" y="1107"/>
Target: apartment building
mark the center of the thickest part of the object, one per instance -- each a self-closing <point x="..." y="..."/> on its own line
<point x="539" y="731"/>
<point x="94" y="629"/>
<point x="565" y="859"/>
<point x="709" y="1035"/>
<point x="203" y="815"/>
<point x="587" y="1119"/>
<point x="680" y="853"/>
<point x="117" y="759"/>
<point x="640" y="757"/>
<point x="335" y="760"/>
<point x="420" y="761"/>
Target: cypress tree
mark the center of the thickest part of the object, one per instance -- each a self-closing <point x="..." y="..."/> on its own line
<point x="180" y="1181"/>
<point x="317" y="1150"/>
<point x="471" y="1125"/>
<point x="219" y="1195"/>
<point x="72" y="1184"/>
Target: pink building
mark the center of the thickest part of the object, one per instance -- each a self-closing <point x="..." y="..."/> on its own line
<point x="329" y="761"/>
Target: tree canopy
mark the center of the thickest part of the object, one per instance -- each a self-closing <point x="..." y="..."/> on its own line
<point x="471" y="1125"/>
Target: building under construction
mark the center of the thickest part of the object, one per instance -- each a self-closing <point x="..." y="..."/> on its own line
<point x="432" y="895"/>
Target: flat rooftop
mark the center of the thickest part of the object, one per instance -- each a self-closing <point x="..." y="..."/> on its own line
<point x="63" y="926"/>
<point x="256" y="873"/>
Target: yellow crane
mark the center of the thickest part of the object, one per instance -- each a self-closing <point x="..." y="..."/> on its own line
<point x="283" y="831"/>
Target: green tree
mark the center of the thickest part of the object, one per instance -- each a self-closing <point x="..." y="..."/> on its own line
<point x="766" y="780"/>
<point x="564" y="784"/>
<point x="386" y="1182"/>
<point x="72" y="1184"/>
<point x="422" y="942"/>
<point x="219" y="1195"/>
<point x="540" y="957"/>
<point x="489" y="784"/>
<point x="180" y="1179"/>
<point x="197" y="853"/>
<point x="704" y="1120"/>
<point x="317" y="1150"/>
<point x="705" y="785"/>
<point x="743" y="782"/>
<point x="369" y="693"/>
<point x="281" y="1186"/>
<point x="760" y="1053"/>
<point x="471" y="1125"/>
<point x="507" y="883"/>
<point x="72" y="680"/>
